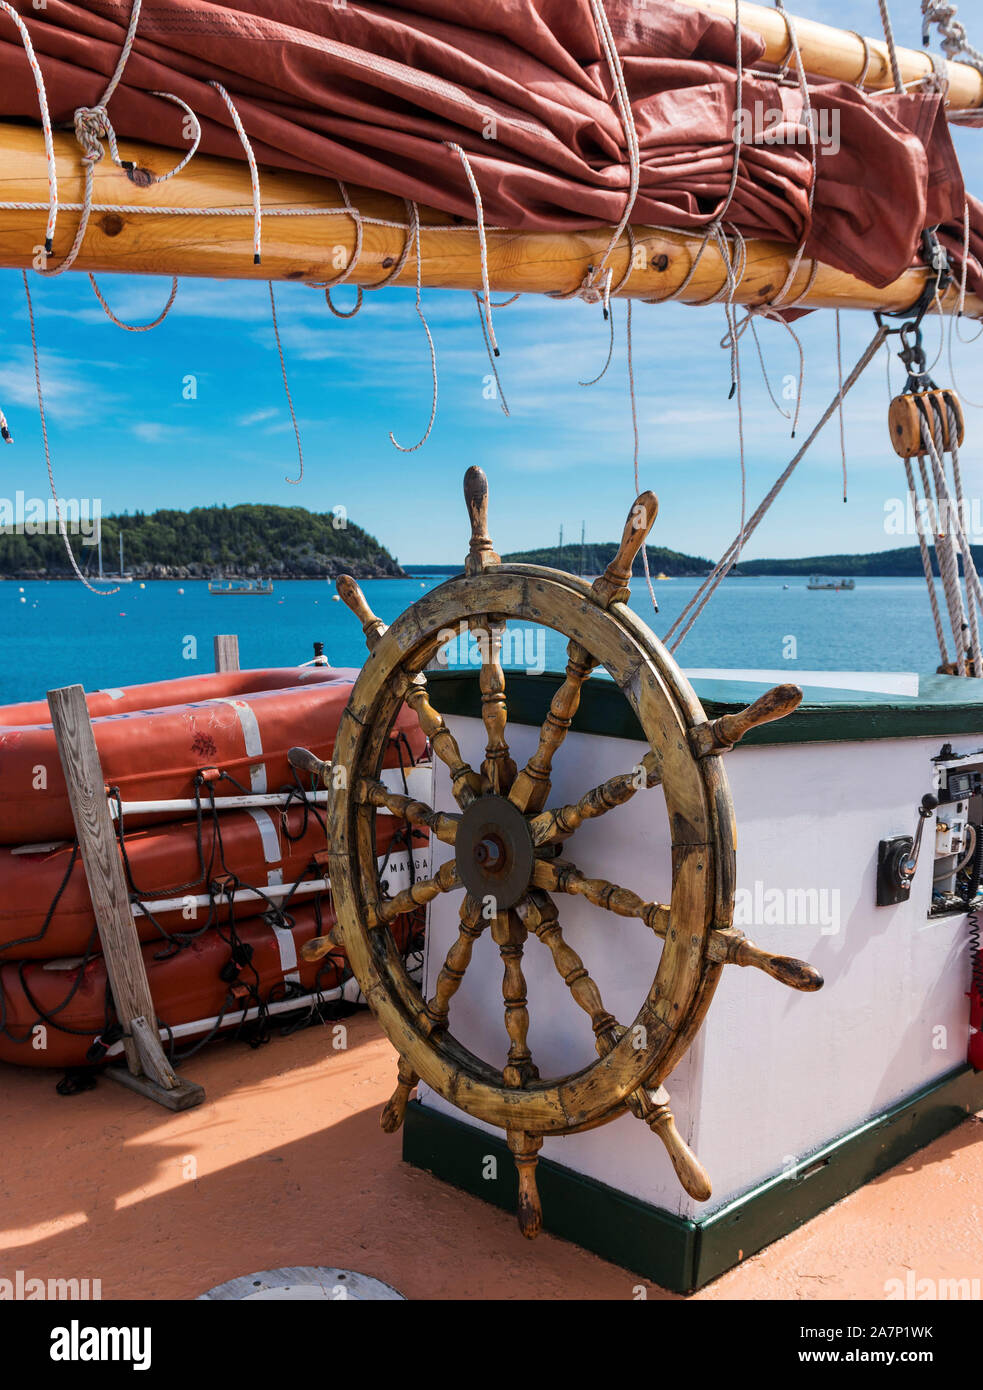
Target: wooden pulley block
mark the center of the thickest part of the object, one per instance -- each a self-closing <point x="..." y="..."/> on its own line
<point x="907" y="413"/>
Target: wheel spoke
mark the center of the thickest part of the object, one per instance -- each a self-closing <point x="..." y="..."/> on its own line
<point x="423" y="891"/>
<point x="730" y="946"/>
<point x="465" y="782"/>
<point x="395" y="1108"/>
<point x="538" y="913"/>
<point x="560" y="876"/>
<point x="509" y="934"/>
<point x="440" y="823"/>
<point x="498" y="770"/>
<point x="532" y="786"/>
<point x="456" y="962"/>
<point x="550" y="826"/>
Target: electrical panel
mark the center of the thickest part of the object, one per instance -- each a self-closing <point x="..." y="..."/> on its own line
<point x="958" y="830"/>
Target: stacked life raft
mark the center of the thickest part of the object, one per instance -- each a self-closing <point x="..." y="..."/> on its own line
<point x="224" y="899"/>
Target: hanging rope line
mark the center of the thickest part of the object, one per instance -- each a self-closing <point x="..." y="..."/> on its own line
<point x="701" y="598"/>
<point x="410" y="449"/>
<point x="136" y="327"/>
<point x="253" y="171"/>
<point x="286" y="388"/>
<point x="634" y="427"/>
<point x="104" y="593"/>
<point x="892" y="48"/>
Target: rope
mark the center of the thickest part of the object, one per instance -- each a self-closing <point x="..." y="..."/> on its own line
<point x="410" y="449"/>
<point x="482" y="243"/>
<point x="49" y="144"/>
<point x="933" y="445"/>
<point x="286" y="387"/>
<point x="253" y="171"/>
<point x="125" y="51"/>
<point x="892" y="48"/>
<point x="926" y="564"/>
<point x="701" y="598"/>
<point x="839" y="377"/>
<point x="103" y="593"/>
<point x="136" y="327"/>
<point x="955" y="43"/>
<point x="634" y="427"/>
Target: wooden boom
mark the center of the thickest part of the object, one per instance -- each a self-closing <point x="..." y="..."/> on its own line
<point x="842" y="56"/>
<point x="124" y="237"/>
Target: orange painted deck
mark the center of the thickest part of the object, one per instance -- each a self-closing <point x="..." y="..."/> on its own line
<point x="285" y="1164"/>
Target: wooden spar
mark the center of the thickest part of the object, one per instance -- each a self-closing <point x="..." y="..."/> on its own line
<point x="840" y="55"/>
<point x="305" y="247"/>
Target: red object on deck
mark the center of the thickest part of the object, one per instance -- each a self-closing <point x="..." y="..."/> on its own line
<point x="256" y="848"/>
<point x="156" y="752"/>
<point x="184" y="690"/>
<point x="975" y="1057"/>
<point x="187" y="987"/>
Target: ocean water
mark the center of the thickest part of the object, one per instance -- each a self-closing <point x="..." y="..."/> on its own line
<point x="59" y="634"/>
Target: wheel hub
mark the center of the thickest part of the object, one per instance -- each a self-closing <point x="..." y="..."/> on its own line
<point x="494" y="850"/>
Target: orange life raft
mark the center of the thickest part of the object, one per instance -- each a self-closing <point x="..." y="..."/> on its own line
<point x="220" y="980"/>
<point x="157" y="753"/>
<point x="46" y="910"/>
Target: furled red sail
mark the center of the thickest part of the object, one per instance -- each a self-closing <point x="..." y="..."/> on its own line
<point x="374" y="94"/>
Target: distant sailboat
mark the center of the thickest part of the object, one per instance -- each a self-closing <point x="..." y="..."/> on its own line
<point x="122" y="578"/>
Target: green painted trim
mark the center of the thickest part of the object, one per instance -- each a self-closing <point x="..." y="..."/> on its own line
<point x="675" y="1253"/>
<point x="947" y="708"/>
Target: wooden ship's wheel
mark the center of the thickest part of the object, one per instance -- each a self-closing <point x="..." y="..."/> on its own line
<point x="511" y="850"/>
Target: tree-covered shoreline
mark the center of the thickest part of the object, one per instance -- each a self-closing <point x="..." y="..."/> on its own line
<point x="253" y="539"/>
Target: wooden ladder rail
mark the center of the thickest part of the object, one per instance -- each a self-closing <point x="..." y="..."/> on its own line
<point x="147" y="1069"/>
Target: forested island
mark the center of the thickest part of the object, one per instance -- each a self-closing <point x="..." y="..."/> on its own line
<point x="254" y="540"/>
<point x="903" y="563"/>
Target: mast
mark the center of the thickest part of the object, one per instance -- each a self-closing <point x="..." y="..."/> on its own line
<point x="583" y="532"/>
<point x="121" y="552"/>
<point x="101" y="576"/>
<point x="306" y="247"/>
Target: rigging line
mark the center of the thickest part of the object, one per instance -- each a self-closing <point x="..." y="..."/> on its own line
<point x="121" y="61"/>
<point x="253" y="171"/>
<point x="839" y="378"/>
<point x="102" y="593"/>
<point x="933" y="597"/>
<point x="634" y="426"/>
<point x="136" y="327"/>
<point x="491" y="359"/>
<point x="286" y="387"/>
<point x="353" y="261"/>
<point x="610" y="49"/>
<point x="702" y="596"/>
<point x="482" y="242"/>
<point x="410" y="449"/>
<point x="803" y="82"/>
<point x="603" y="372"/>
<point x="955" y="42"/>
<point x="892" y="48"/>
<point x="49" y="144"/>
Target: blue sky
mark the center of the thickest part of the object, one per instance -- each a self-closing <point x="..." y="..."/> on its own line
<point x="121" y="430"/>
